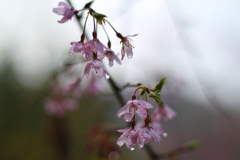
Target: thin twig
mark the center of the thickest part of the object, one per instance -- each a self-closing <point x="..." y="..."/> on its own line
<point x="183" y="149"/>
<point x="79" y="17"/>
<point x="129" y="85"/>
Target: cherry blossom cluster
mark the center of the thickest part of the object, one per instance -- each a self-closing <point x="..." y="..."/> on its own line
<point x="59" y="100"/>
<point x="94" y="51"/>
<point x="144" y="125"/>
<point x="149" y="127"/>
<point x="65" y="94"/>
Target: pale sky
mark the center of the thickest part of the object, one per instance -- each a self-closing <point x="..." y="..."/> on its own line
<point x="194" y="43"/>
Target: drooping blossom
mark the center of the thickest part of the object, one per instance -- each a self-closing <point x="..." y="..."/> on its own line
<point x="126" y="138"/>
<point x="97" y="65"/>
<point x="163" y="112"/>
<point x="58" y="105"/>
<point x="65" y="10"/>
<point x="157" y="127"/>
<point x="132" y="107"/>
<point x="80" y="47"/>
<point x="97" y="47"/>
<point x="144" y="134"/>
<point x="111" y="57"/>
<point x="126" y="45"/>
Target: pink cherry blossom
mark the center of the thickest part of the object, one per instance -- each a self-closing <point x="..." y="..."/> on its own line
<point x="111" y="57"/>
<point x="80" y="47"/>
<point x="58" y="105"/>
<point x="97" y="65"/>
<point x="132" y="107"/>
<point x="65" y="10"/>
<point x="97" y="47"/>
<point x="157" y="127"/>
<point x="125" y="138"/>
<point x="126" y="45"/>
<point x="144" y="134"/>
<point x="163" y="112"/>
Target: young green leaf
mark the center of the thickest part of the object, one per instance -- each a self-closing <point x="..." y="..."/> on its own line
<point x="159" y="86"/>
<point x="156" y="97"/>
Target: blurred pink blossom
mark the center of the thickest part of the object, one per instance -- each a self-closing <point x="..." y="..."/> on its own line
<point x="92" y="87"/>
<point x="58" y="105"/>
<point x="74" y="88"/>
<point x="163" y="112"/>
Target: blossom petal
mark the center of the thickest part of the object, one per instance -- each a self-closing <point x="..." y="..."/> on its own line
<point x="154" y="135"/>
<point x="87" y="52"/>
<point x="87" y="69"/>
<point x="157" y="127"/>
<point x="141" y="141"/>
<point x="124" y="109"/>
<point x="126" y="138"/>
<point x="64" y="4"/>
<point x="134" y="35"/>
<point x="123" y="130"/>
<point x="122" y="53"/>
<point x="156" y="116"/>
<point x="117" y="59"/>
<point x="129" y="52"/>
<point x="142" y="103"/>
<point x="121" y="140"/>
<point x="59" y="11"/>
<point x="63" y="20"/>
<point x="142" y="113"/>
<point x="170" y="112"/>
<point x="128" y="117"/>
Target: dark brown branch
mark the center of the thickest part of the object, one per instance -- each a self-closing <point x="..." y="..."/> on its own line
<point x="185" y="148"/>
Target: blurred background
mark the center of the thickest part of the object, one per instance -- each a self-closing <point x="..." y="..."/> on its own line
<point x="195" y="44"/>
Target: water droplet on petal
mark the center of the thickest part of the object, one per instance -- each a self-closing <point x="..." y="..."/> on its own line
<point x="165" y="134"/>
<point x="141" y="146"/>
<point x="107" y="76"/>
<point x="129" y="56"/>
<point x="132" y="149"/>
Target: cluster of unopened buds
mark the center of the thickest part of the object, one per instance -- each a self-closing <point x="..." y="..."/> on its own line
<point x="149" y="127"/>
